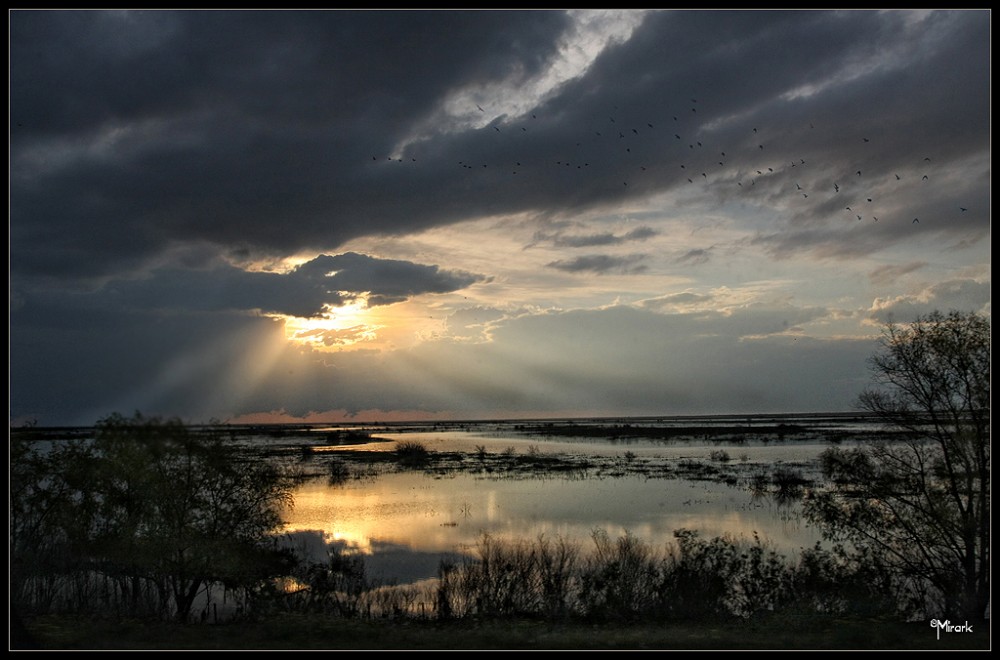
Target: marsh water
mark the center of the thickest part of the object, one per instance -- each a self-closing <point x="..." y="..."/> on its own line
<point x="619" y="477"/>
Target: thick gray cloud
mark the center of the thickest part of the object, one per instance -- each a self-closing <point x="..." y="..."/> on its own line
<point x="305" y="291"/>
<point x="273" y="131"/>
<point x="151" y="151"/>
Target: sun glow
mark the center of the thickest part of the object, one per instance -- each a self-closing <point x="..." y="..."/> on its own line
<point x="338" y="328"/>
<point x="358" y="326"/>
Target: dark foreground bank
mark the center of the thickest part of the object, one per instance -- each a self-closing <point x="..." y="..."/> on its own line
<point x="290" y="632"/>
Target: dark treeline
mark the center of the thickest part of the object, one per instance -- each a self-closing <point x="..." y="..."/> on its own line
<point x="144" y="519"/>
<point x="151" y="519"/>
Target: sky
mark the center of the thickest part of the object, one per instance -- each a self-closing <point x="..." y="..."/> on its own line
<point x="333" y="215"/>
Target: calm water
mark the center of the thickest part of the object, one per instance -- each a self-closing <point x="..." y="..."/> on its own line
<point x="405" y="522"/>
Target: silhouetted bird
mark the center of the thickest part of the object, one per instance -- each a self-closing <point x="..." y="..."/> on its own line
<point x="915" y="220"/>
<point x="925" y="178"/>
<point x="480" y="108"/>
<point x="859" y="172"/>
<point x="866" y="139"/>
<point x="897" y="177"/>
<point x="962" y="208"/>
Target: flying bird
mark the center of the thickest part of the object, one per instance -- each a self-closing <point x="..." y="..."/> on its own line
<point x="961" y="208"/>
<point x="859" y="172"/>
<point x="480" y="108"/>
<point x="925" y="178"/>
<point x="897" y="177"/>
<point x="915" y="220"/>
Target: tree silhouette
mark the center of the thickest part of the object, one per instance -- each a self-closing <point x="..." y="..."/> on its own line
<point x="150" y="510"/>
<point x="920" y="505"/>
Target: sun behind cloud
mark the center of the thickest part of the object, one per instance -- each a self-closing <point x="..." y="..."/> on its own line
<point x="360" y="326"/>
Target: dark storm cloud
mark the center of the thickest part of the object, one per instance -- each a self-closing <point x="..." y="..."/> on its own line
<point x="132" y="130"/>
<point x="304" y="291"/>
<point x="601" y="263"/>
<point x="272" y="132"/>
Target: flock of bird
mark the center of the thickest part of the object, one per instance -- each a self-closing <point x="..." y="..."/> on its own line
<point x="624" y="149"/>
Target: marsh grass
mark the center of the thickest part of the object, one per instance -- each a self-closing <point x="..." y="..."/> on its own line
<point x="412" y="453"/>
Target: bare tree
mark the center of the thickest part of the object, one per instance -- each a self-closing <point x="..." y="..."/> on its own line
<point x="921" y="505"/>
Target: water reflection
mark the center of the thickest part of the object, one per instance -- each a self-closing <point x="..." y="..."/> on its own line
<point x="405" y="522"/>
